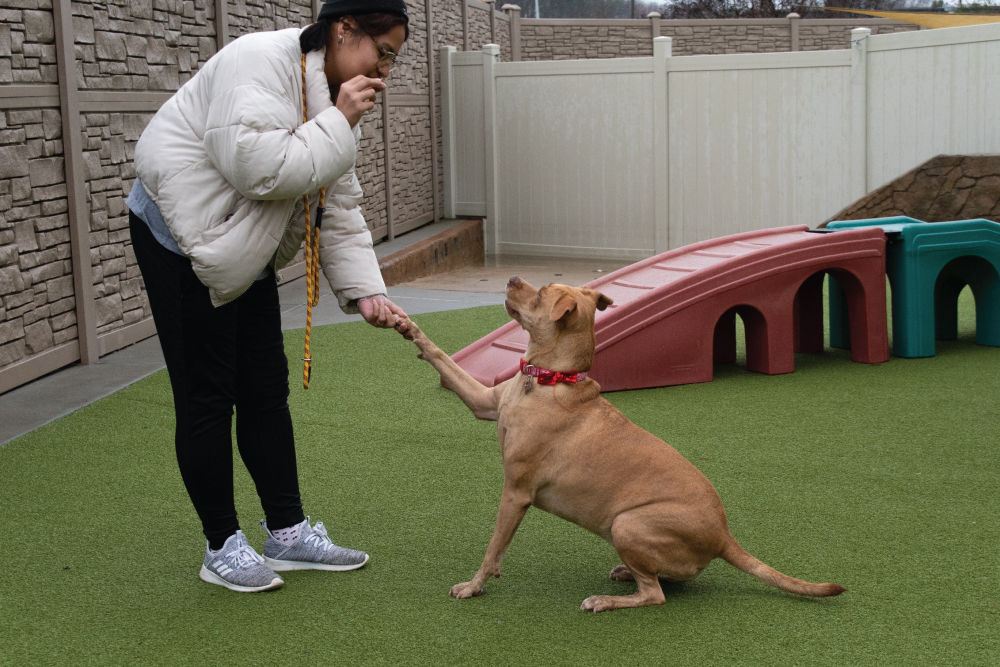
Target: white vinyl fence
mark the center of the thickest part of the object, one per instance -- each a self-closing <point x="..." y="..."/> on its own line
<point x="625" y="158"/>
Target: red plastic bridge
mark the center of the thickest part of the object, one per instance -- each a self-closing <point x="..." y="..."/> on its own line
<point x="674" y="315"/>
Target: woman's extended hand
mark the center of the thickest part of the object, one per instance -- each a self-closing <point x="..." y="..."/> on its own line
<point x="357" y="96"/>
<point x="379" y="311"/>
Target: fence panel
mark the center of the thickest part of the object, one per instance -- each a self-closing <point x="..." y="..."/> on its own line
<point x="756" y="141"/>
<point x="573" y="158"/>
<point x="932" y="92"/>
<point x="464" y="133"/>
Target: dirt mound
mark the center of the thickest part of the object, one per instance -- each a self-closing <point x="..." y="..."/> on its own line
<point x="945" y="188"/>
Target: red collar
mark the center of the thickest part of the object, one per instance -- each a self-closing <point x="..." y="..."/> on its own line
<point x="548" y="377"/>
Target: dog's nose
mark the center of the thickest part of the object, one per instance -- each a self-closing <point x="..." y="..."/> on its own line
<point x="515" y="281"/>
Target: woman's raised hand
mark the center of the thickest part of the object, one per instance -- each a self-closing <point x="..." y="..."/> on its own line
<point x="357" y="96"/>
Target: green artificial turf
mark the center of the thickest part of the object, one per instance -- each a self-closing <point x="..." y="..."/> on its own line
<point x="882" y="478"/>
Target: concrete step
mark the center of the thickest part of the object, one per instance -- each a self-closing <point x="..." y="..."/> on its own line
<point x="439" y="248"/>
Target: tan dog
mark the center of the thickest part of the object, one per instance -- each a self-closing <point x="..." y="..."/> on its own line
<point x="570" y="452"/>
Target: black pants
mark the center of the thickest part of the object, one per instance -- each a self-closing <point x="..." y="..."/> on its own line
<point x="218" y="359"/>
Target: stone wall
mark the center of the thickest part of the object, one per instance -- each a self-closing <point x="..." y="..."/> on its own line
<point x="109" y="143"/>
<point x="945" y="188"/>
<point x="412" y="175"/>
<point x="821" y="35"/>
<point x="567" y="39"/>
<point x="482" y="32"/>
<point x="731" y="37"/>
<point x="256" y="15"/>
<point x="27" y="50"/>
<point x="548" y="40"/>
<point x="36" y="282"/>
<point x="141" y="45"/>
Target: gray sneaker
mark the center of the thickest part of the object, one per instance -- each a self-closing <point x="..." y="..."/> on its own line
<point x="312" y="551"/>
<point x="238" y="567"/>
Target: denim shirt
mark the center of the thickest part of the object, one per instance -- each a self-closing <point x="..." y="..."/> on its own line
<point x="140" y="203"/>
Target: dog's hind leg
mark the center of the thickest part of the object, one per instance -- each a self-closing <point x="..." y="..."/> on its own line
<point x="649" y="593"/>
<point x="640" y="554"/>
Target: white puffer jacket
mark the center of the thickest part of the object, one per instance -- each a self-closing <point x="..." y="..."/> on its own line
<point x="227" y="159"/>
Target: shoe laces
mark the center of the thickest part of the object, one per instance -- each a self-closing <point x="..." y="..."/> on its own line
<point x="243" y="555"/>
<point x="319" y="538"/>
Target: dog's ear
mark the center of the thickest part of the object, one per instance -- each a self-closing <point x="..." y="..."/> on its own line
<point x="601" y="302"/>
<point x="562" y="307"/>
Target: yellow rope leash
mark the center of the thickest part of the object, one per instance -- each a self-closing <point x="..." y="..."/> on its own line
<point x="312" y="254"/>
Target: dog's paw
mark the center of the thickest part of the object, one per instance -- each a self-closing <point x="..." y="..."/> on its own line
<point x="596" y="603"/>
<point x="466" y="590"/>
<point x="407" y="328"/>
<point x="622" y="573"/>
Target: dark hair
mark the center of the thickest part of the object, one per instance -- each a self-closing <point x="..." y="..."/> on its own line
<point x="317" y="35"/>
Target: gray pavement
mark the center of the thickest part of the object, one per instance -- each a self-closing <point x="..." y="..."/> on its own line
<point x="35" y="404"/>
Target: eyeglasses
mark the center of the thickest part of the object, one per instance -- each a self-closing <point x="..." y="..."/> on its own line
<point x="386" y="58"/>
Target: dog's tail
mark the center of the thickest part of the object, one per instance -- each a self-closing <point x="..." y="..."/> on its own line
<point x="736" y="556"/>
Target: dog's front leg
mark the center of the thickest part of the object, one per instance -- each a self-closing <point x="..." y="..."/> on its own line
<point x="482" y="400"/>
<point x="513" y="506"/>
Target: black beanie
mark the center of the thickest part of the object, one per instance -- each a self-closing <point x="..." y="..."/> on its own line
<point x="338" y="8"/>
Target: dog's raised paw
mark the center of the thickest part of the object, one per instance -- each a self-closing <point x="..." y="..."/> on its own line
<point x="622" y="573"/>
<point x="465" y="590"/>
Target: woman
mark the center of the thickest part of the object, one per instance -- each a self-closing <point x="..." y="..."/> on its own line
<point x="223" y="170"/>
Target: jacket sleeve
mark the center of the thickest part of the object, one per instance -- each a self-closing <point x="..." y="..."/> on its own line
<point x="346" y="251"/>
<point x="255" y="137"/>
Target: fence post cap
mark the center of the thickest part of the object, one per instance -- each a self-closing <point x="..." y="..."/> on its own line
<point x="654" y="15"/>
<point x="793" y="15"/>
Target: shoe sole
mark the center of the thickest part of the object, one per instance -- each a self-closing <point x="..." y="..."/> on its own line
<point x="210" y="577"/>
<point x="289" y="565"/>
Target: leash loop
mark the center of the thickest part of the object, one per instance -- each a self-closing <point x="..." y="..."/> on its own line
<point x="311" y="255"/>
